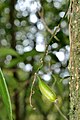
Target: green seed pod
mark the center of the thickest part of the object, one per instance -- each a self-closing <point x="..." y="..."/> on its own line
<point x="46" y="90"/>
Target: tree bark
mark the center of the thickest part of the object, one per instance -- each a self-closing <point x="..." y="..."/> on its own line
<point x="74" y="64"/>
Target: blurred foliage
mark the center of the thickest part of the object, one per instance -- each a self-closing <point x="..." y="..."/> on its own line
<point x="20" y="58"/>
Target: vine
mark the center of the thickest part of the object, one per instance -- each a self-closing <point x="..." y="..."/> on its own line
<point x="53" y="35"/>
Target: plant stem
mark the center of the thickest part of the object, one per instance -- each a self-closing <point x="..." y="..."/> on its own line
<point x="55" y="103"/>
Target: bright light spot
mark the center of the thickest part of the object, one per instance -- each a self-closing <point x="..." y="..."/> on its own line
<point x="27" y="49"/>
<point x="34" y="6"/>
<point x="28" y="67"/>
<point x="33" y="18"/>
<point x="66" y="31"/>
<point x="38" y="5"/>
<point x="57" y="5"/>
<point x="21" y="65"/>
<point x="67" y="48"/>
<point x="8" y="25"/>
<point x="33" y="30"/>
<point x="26" y="42"/>
<point x="19" y="14"/>
<point x="17" y="7"/>
<point x="67" y="55"/>
<point x="31" y="43"/>
<point x="25" y="13"/>
<point x="18" y="35"/>
<point x="19" y="48"/>
<point x="40" y="25"/>
<point x="30" y="5"/>
<point x="8" y="57"/>
<point x="60" y="56"/>
<point x="49" y="48"/>
<point x="61" y="14"/>
<point x="23" y="37"/>
<point x="54" y="45"/>
<point x="4" y="42"/>
<point x="21" y="5"/>
<point x="16" y="22"/>
<point x="55" y="28"/>
<point x="62" y="50"/>
<point x="40" y="47"/>
<point x="63" y="24"/>
<point x="56" y="67"/>
<point x="58" y="0"/>
<point x="39" y="38"/>
<point x="57" y="70"/>
<point x="46" y="77"/>
<point x="30" y="36"/>
<point x="40" y="72"/>
<point x="64" y="73"/>
<point x="23" y="23"/>
<point x="47" y="58"/>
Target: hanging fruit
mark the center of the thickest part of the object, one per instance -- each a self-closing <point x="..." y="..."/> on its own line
<point x="46" y="90"/>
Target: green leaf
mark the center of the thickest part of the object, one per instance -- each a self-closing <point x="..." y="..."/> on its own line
<point x="5" y="95"/>
<point x="7" y="51"/>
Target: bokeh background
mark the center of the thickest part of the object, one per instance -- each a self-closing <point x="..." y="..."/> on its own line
<point x="24" y="35"/>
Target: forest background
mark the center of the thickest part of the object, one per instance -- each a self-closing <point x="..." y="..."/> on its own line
<point x="34" y="38"/>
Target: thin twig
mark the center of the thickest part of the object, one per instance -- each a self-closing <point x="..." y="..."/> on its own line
<point x="44" y="22"/>
<point x="60" y="111"/>
<point x="46" y="26"/>
<point x="32" y="92"/>
<point x="41" y="14"/>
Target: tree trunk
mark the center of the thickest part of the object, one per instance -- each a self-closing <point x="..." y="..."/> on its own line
<point x="74" y="64"/>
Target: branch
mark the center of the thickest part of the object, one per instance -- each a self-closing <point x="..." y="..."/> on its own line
<point x="32" y="92"/>
<point x="43" y="20"/>
<point x="46" y="26"/>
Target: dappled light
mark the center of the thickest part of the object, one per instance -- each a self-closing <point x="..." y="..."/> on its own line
<point x="34" y="44"/>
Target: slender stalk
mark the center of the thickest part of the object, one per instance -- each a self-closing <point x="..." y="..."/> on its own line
<point x="32" y="92"/>
<point x="60" y="111"/>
